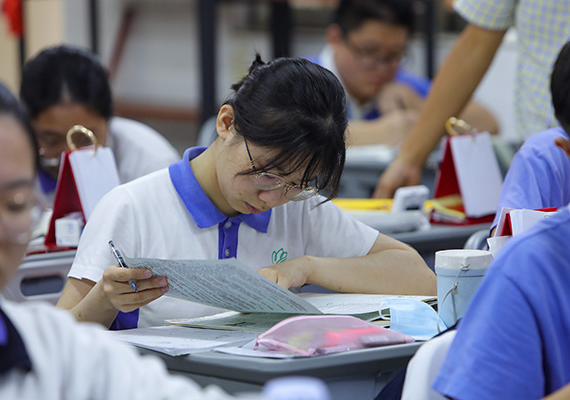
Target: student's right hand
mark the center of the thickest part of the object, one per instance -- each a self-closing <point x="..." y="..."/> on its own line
<point x="121" y="296"/>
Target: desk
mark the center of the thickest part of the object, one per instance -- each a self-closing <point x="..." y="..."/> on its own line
<point x="439" y="237"/>
<point x="40" y="277"/>
<point x="357" y="374"/>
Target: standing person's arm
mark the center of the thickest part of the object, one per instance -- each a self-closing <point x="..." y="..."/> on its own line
<point x="453" y="86"/>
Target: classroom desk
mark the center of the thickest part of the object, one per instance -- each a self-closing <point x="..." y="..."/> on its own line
<point x="40" y="277"/>
<point x="357" y="374"/>
<point x="438" y="237"/>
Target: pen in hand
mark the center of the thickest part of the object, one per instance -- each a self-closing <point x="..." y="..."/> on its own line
<point x="121" y="261"/>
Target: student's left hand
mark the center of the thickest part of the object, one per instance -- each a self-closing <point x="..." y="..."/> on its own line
<point x="396" y="96"/>
<point x="287" y="274"/>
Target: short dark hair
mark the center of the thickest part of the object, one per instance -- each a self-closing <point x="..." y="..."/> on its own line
<point x="560" y="87"/>
<point x="64" y="73"/>
<point x="10" y="106"/>
<point x="351" y="14"/>
<point x="299" y="108"/>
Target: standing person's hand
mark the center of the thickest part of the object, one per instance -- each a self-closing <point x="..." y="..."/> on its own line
<point x="399" y="173"/>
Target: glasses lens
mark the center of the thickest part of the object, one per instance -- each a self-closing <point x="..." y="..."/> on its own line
<point x="267" y="181"/>
<point x="19" y="215"/>
<point x="297" y="193"/>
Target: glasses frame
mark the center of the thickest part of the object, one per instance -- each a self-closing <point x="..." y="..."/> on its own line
<point x="369" y="60"/>
<point x="24" y="235"/>
<point x="304" y="194"/>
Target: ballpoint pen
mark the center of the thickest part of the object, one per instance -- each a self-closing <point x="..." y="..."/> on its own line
<point x="121" y="261"/>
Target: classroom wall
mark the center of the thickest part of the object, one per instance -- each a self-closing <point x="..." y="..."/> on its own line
<point x="160" y="61"/>
<point x="9" y="64"/>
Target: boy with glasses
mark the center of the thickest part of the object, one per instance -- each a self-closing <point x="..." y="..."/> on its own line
<point x="366" y="47"/>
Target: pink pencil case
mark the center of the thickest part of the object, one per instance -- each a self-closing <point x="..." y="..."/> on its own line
<point x="309" y="335"/>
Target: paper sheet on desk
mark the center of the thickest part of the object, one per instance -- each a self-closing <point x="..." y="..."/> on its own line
<point x="363" y="306"/>
<point x="225" y="284"/>
<point x="248" y="350"/>
<point x="176" y="340"/>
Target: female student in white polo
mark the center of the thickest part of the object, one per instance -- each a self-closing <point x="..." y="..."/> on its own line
<point x="43" y="350"/>
<point x="253" y="194"/>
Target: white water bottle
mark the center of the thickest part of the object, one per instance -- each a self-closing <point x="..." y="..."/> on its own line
<point x="296" y="388"/>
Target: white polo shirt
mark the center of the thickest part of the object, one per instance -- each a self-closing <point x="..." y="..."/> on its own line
<point x="138" y="150"/>
<point x="48" y="355"/>
<point x="167" y="215"/>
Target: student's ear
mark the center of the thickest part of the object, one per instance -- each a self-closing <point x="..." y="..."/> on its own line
<point x="224" y="121"/>
<point x="333" y="34"/>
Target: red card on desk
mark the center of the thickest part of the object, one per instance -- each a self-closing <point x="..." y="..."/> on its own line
<point x="506" y="225"/>
<point x="469" y="170"/>
<point x="85" y="176"/>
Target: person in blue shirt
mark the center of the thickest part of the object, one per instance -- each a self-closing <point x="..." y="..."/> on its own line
<point x="514" y="339"/>
<point x="539" y="175"/>
<point x="366" y="46"/>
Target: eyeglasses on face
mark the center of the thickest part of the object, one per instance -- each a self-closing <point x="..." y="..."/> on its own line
<point x="20" y="213"/>
<point x="271" y="181"/>
<point x="372" y="58"/>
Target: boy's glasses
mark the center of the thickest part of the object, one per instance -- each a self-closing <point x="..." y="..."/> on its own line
<point x="271" y="181"/>
<point x="20" y="212"/>
<point x="371" y="58"/>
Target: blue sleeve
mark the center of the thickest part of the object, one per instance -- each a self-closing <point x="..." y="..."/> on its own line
<point x="419" y="83"/>
<point x="497" y="351"/>
<point x="538" y="177"/>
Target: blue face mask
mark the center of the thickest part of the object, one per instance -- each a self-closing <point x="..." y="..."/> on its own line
<point x="412" y="317"/>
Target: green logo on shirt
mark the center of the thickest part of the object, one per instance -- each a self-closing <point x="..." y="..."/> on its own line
<point x="279" y="256"/>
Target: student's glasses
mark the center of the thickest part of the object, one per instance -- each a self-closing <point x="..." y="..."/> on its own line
<point x="271" y="181"/>
<point x="20" y="213"/>
<point x="371" y="57"/>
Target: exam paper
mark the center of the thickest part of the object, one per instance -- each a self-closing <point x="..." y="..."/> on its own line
<point x="354" y="304"/>
<point x="176" y="340"/>
<point x="367" y="307"/>
<point x="225" y="284"/>
<point x="249" y="350"/>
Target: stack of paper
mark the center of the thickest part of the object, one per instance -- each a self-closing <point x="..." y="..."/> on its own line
<point x="364" y="306"/>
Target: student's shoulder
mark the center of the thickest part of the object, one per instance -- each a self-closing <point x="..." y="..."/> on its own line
<point x="542" y="142"/>
<point x="151" y="185"/>
<point x="136" y="135"/>
<point x="538" y="139"/>
<point x="418" y="83"/>
<point x="123" y="126"/>
<point x="40" y="324"/>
